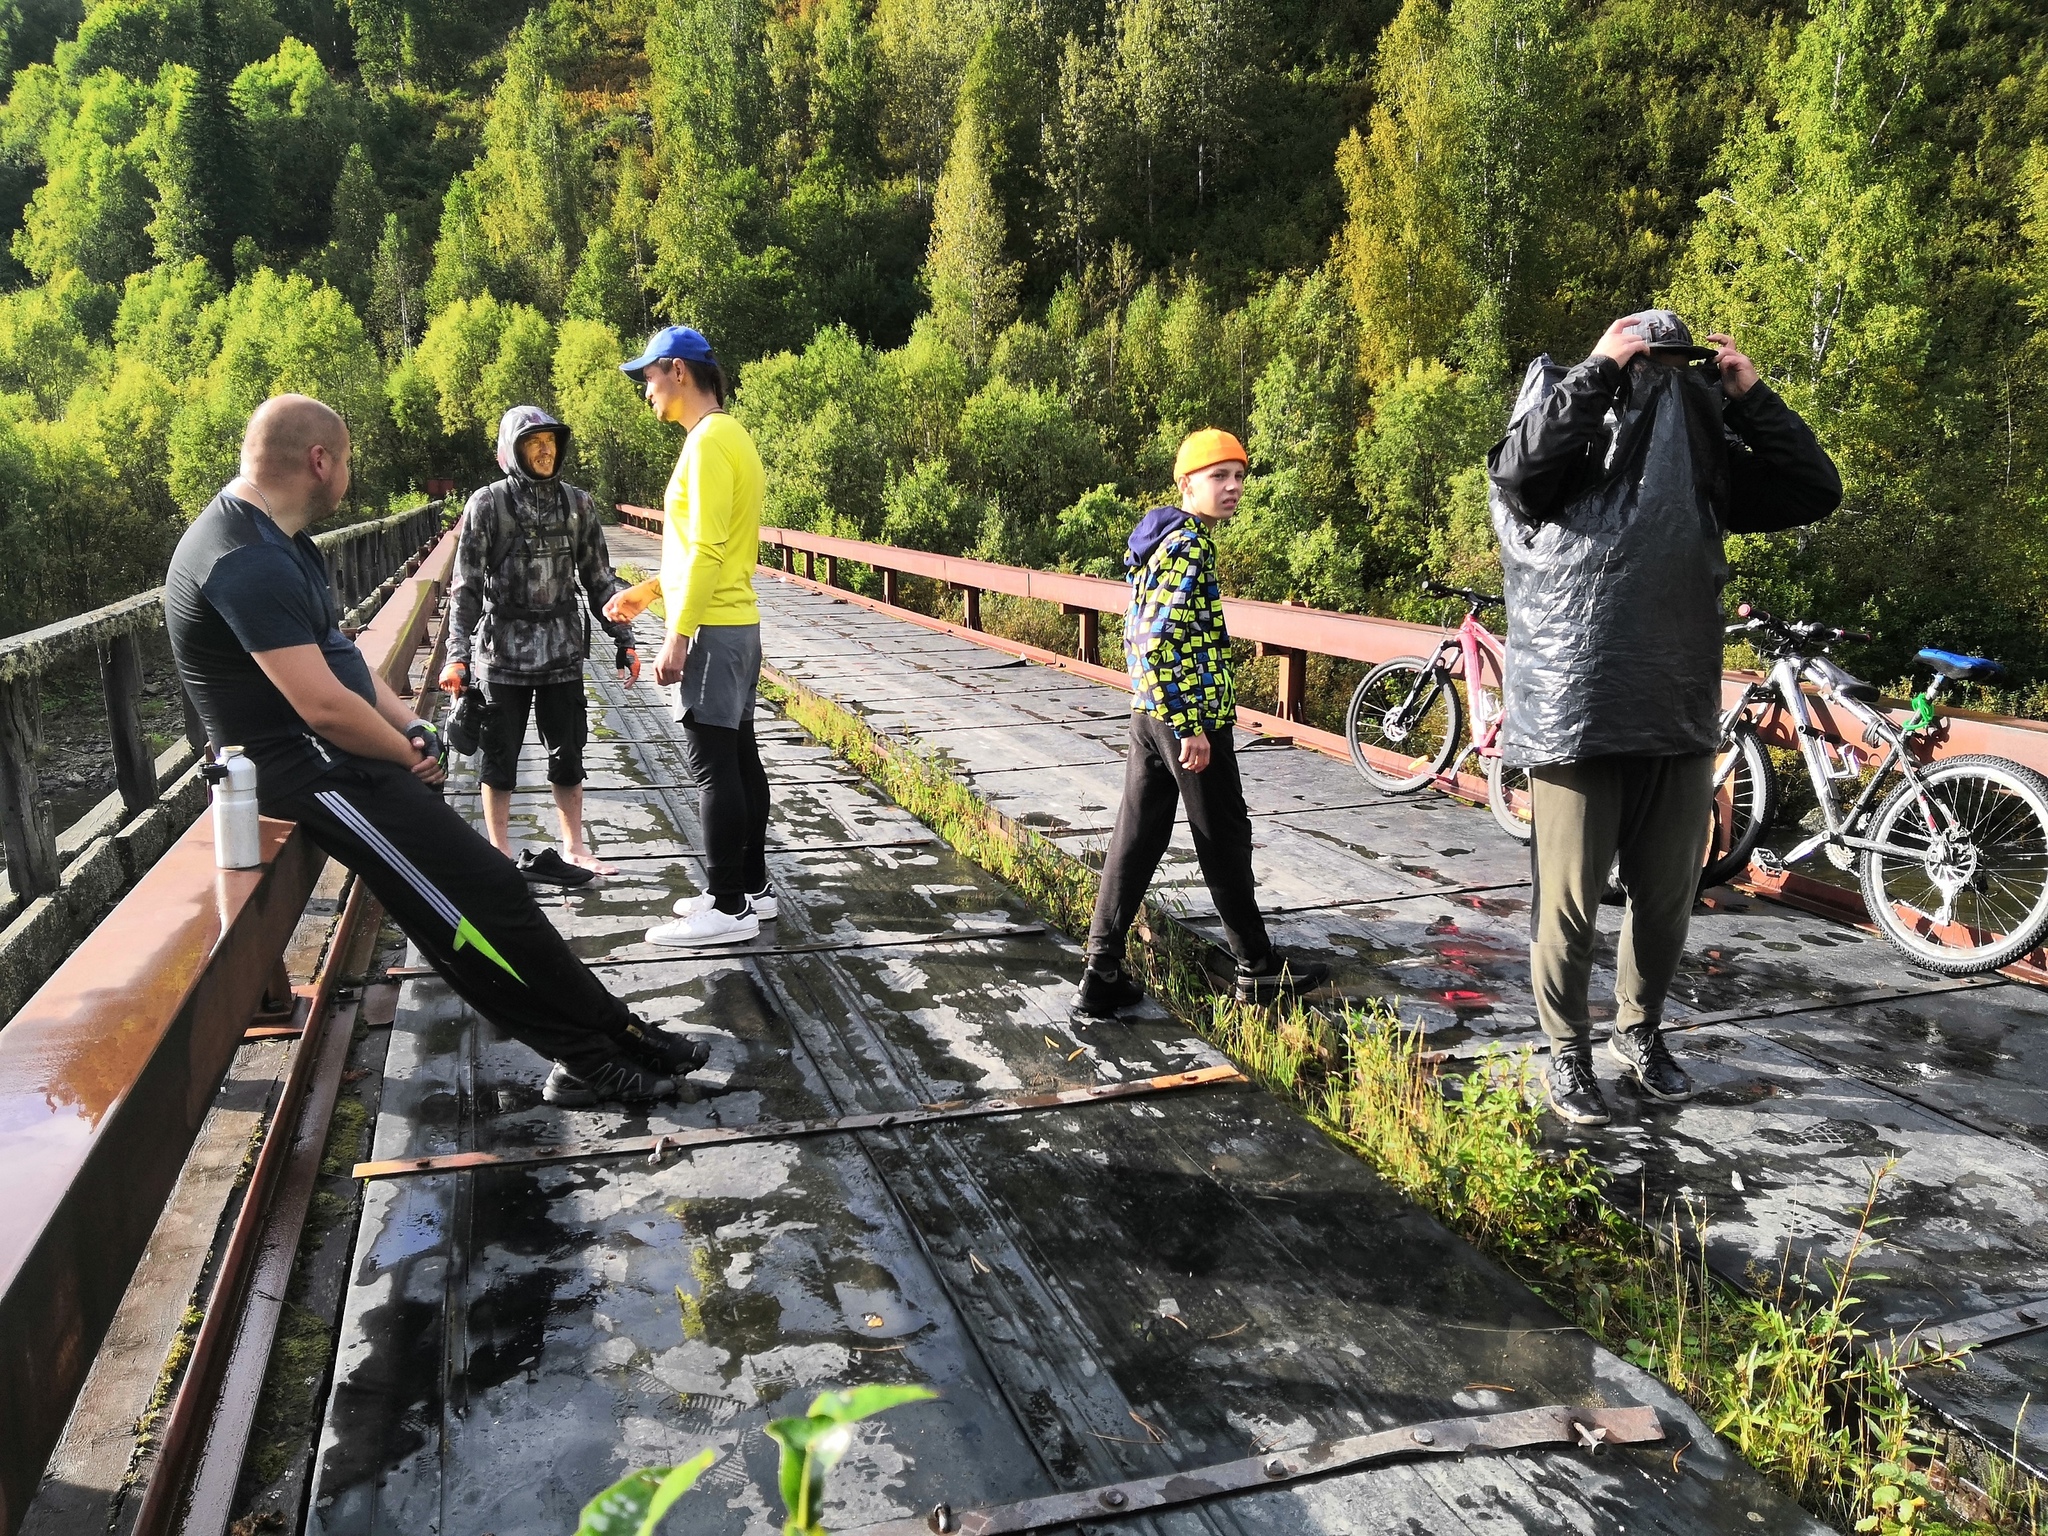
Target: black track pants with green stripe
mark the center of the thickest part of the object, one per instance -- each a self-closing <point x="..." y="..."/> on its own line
<point x="463" y="903"/>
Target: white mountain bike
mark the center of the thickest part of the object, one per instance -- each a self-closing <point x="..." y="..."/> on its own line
<point x="1953" y="859"/>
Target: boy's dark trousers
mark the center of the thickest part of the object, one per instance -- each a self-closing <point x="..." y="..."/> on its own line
<point x="1154" y="783"/>
<point x="464" y="904"/>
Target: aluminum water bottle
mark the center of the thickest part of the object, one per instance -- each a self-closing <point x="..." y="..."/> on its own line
<point x="237" y="825"/>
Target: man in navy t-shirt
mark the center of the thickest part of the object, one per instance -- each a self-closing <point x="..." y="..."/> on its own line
<point x="252" y="623"/>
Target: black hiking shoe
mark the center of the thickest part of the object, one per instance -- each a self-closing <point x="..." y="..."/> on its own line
<point x="548" y="867"/>
<point x="1105" y="994"/>
<point x="1574" y="1090"/>
<point x="1645" y="1057"/>
<point x="1275" y="976"/>
<point x="660" y="1052"/>
<point x="618" y="1081"/>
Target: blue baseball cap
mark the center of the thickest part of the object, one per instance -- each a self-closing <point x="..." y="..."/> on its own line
<point x="674" y="341"/>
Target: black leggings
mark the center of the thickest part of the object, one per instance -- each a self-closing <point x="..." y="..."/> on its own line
<point x="464" y="904"/>
<point x="732" y="805"/>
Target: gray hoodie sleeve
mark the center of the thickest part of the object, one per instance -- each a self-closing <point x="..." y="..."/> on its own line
<point x="472" y="568"/>
<point x="594" y="567"/>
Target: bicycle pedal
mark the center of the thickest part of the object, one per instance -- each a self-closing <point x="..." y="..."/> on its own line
<point x="1767" y="862"/>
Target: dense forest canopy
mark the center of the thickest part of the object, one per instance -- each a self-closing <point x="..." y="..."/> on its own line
<point x="978" y="264"/>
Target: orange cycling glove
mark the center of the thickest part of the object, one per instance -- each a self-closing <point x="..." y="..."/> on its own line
<point x="455" y="678"/>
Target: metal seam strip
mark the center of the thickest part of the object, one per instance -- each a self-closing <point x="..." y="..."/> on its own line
<point x="1593" y="1429"/>
<point x="956" y="936"/>
<point x="782" y="1130"/>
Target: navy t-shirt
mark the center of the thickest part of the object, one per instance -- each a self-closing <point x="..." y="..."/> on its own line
<point x="238" y="584"/>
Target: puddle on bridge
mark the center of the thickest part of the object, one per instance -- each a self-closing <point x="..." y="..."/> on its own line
<point x="1424" y="901"/>
<point x="1202" y="1261"/>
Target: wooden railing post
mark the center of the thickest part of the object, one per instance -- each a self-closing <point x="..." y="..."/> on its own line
<point x="1290" y="684"/>
<point x="831" y="570"/>
<point x="30" y="839"/>
<point x="121" y="681"/>
<point x="810" y="565"/>
<point x="1089" y="648"/>
<point x="973" y="616"/>
<point x="889" y="588"/>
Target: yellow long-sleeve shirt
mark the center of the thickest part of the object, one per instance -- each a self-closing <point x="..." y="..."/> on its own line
<point x="711" y="535"/>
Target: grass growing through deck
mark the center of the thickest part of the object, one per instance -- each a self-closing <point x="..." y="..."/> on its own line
<point x="1779" y="1369"/>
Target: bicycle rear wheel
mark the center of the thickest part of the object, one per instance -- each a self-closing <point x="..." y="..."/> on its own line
<point x="1745" y="804"/>
<point x="1507" y="796"/>
<point x="1972" y="900"/>
<point x="1407" y="709"/>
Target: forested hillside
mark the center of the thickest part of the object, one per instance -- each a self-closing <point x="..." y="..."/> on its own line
<point x="981" y="262"/>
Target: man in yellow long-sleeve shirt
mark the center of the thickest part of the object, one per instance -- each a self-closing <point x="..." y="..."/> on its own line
<point x="712" y="657"/>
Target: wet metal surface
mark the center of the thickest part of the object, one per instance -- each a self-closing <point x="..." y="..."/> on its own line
<point x="1099" y="1292"/>
<point x="1809" y="1086"/>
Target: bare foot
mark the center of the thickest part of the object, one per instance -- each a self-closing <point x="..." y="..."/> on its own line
<point x="584" y="858"/>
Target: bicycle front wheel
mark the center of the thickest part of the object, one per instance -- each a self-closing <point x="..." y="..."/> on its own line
<point x="1745" y="804"/>
<point x="1507" y="796"/>
<point x="1406" y="712"/>
<point x="1962" y="883"/>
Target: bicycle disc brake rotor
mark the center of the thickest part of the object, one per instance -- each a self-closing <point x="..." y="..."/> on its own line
<point x="1950" y="867"/>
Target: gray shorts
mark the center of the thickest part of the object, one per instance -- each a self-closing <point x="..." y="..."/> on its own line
<point x="721" y="675"/>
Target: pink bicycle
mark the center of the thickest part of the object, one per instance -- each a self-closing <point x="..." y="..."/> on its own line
<point x="1407" y="719"/>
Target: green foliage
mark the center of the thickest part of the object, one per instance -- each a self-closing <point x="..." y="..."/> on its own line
<point x="813" y="1445"/>
<point x="978" y="266"/>
<point x="636" y="1503"/>
<point x="971" y="279"/>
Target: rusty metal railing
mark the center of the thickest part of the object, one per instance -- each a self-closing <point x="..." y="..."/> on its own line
<point x="108" y="1070"/>
<point x="1281" y="630"/>
<point x="1291" y="634"/>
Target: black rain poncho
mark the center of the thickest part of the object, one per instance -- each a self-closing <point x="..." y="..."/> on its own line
<point x="1610" y="495"/>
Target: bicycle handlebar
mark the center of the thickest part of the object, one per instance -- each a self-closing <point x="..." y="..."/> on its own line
<point x="1792" y="629"/>
<point x="1478" y="599"/>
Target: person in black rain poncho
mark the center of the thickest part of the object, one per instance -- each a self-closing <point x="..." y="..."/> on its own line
<point x="1610" y="494"/>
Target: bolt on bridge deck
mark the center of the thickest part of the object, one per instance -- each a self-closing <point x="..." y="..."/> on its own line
<point x="1100" y="1291"/>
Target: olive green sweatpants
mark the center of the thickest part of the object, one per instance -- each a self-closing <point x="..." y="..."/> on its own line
<point x="1652" y="811"/>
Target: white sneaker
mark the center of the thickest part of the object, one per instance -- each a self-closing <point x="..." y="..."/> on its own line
<point x="705" y="929"/>
<point x="762" y="902"/>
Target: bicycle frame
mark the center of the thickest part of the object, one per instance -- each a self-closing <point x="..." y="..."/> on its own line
<point x="1782" y="686"/>
<point x="1460" y="653"/>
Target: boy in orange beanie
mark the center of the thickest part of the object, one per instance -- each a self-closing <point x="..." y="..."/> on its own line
<point x="1183" y="708"/>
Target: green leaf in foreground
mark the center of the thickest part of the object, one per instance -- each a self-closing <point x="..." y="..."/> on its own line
<point x="813" y="1445"/>
<point x="637" y="1502"/>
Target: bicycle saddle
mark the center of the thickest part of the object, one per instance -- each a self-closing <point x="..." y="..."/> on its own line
<point x="1961" y="669"/>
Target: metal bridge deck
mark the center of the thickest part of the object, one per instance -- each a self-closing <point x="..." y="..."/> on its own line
<point x="1106" y="1292"/>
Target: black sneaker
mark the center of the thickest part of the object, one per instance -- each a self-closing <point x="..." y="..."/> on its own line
<point x="1105" y="994"/>
<point x="1645" y="1057"/>
<point x="548" y="867"/>
<point x="619" y="1081"/>
<point x="1276" y="975"/>
<point x="661" y="1052"/>
<point x="1574" y="1090"/>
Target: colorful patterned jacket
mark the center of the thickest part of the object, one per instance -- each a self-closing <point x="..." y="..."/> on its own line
<point x="1175" y="645"/>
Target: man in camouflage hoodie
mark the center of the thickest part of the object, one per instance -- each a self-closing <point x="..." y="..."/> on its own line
<point x="1183" y="709"/>
<point x="531" y="558"/>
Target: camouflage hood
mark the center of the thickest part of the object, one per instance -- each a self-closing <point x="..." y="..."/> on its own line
<point x="523" y="421"/>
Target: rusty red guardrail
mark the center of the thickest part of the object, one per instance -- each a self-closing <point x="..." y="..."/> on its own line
<point x="1281" y="629"/>
<point x="108" y="1070"/>
<point x="1293" y="633"/>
